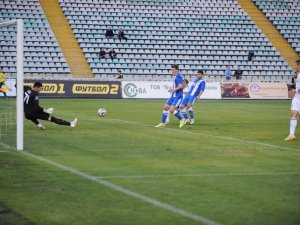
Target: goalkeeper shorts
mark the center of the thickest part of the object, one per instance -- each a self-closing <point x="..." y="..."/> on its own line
<point x="39" y="115"/>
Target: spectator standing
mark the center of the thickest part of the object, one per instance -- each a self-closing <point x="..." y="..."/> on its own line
<point x="228" y="73"/>
<point x="238" y="73"/>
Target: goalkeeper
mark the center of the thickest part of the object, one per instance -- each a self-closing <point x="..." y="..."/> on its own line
<point x="34" y="112"/>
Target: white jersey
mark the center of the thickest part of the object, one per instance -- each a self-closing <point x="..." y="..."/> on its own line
<point x="297" y="95"/>
<point x="185" y="91"/>
<point x="296" y="100"/>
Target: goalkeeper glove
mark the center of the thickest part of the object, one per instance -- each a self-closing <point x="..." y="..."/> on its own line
<point x="50" y="110"/>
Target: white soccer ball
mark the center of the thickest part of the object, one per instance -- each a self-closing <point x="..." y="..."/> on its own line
<point x="102" y="112"/>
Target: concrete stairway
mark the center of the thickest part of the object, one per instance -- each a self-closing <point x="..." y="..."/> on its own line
<point x="274" y="36"/>
<point x="64" y="35"/>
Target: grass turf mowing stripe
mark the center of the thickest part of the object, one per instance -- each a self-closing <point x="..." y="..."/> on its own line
<point x="213" y="136"/>
<point x="125" y="191"/>
<point x="199" y="175"/>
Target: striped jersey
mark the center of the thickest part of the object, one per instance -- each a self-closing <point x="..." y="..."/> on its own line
<point x="178" y="79"/>
<point x="197" y="86"/>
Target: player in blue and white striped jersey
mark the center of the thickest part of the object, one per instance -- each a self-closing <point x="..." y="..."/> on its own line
<point x="185" y="91"/>
<point x="176" y="97"/>
<point x="195" y="92"/>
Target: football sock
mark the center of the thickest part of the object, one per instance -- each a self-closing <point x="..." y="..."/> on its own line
<point x="293" y="125"/>
<point x="164" y="116"/>
<point x="168" y="116"/>
<point x="178" y="115"/>
<point x="183" y="112"/>
<point x="35" y="121"/>
<point x="191" y="112"/>
<point x="60" y="121"/>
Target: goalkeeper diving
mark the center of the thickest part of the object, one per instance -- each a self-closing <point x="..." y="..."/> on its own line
<point x="33" y="111"/>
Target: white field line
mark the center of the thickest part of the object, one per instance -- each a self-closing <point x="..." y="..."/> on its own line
<point x="274" y="109"/>
<point x="197" y="175"/>
<point x="7" y="146"/>
<point x="200" y="134"/>
<point x="182" y="130"/>
<point x="125" y="191"/>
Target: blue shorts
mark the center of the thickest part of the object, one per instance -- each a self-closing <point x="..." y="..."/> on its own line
<point x="174" y="101"/>
<point x="189" y="99"/>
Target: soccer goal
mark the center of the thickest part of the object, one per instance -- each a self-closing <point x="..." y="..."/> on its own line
<point x="11" y="109"/>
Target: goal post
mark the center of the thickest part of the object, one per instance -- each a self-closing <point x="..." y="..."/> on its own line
<point x="19" y="95"/>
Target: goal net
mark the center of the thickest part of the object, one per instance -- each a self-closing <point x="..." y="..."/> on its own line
<point x="11" y="90"/>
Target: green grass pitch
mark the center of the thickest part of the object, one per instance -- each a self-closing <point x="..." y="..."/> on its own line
<point x="232" y="167"/>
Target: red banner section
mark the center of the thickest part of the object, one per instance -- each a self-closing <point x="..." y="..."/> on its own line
<point x="235" y="90"/>
<point x="254" y="90"/>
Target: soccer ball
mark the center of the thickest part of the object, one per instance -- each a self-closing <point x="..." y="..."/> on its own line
<point x="102" y="112"/>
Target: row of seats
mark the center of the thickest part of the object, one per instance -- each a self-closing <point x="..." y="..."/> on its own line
<point x="168" y="25"/>
<point x="148" y="7"/>
<point x="188" y="53"/>
<point x="167" y="13"/>
<point x="11" y="70"/>
<point x="214" y="67"/>
<point x="162" y="72"/>
<point x="167" y="60"/>
<point x="187" y="41"/>
<point x="95" y="16"/>
<point x="170" y="59"/>
<point x="200" y="45"/>
<point x="211" y="78"/>
<point x="159" y="36"/>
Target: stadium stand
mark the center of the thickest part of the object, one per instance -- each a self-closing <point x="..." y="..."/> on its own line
<point x="195" y="34"/>
<point x="42" y="55"/>
<point x="284" y="14"/>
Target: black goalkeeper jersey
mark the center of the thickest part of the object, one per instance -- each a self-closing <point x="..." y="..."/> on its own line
<point x="31" y="101"/>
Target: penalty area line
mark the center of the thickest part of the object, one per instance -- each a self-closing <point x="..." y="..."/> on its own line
<point x="125" y="191"/>
<point x="213" y="136"/>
